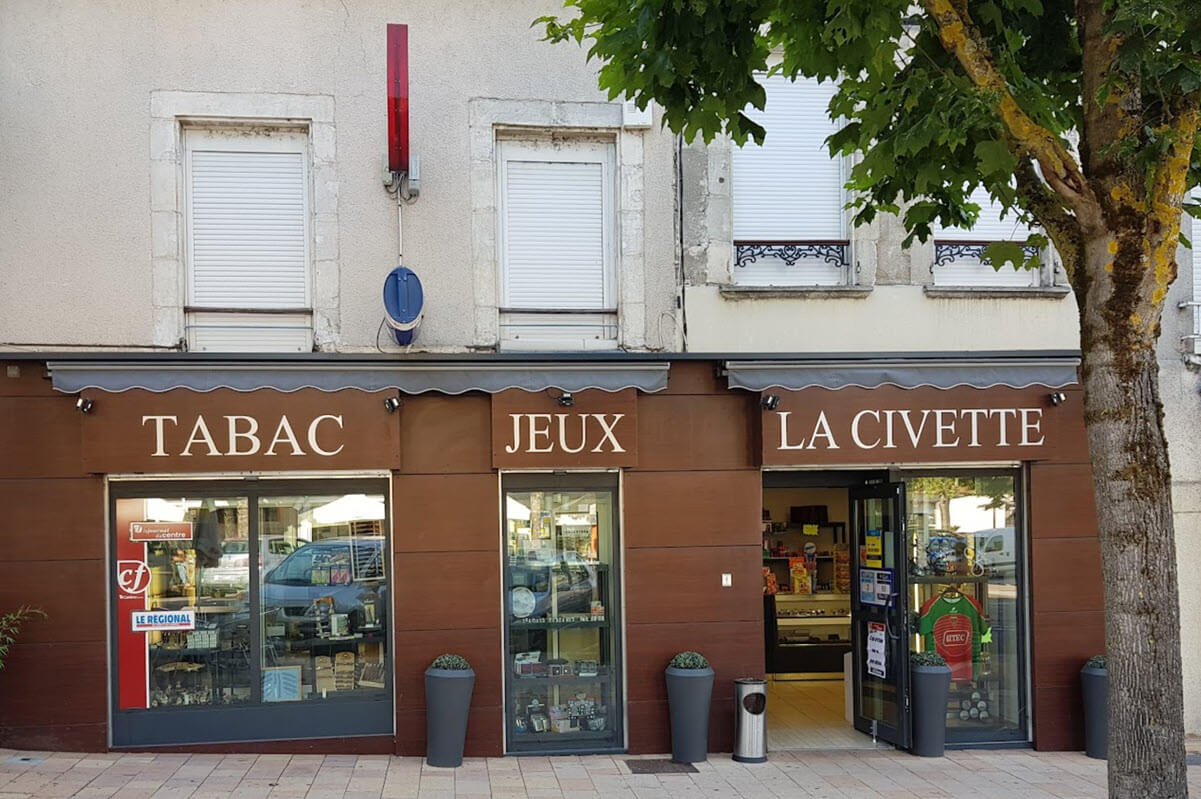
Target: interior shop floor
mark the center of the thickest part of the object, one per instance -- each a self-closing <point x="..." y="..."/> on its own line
<point x="977" y="774"/>
<point x="809" y="714"/>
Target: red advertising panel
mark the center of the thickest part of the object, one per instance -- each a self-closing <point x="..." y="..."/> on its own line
<point x="132" y="581"/>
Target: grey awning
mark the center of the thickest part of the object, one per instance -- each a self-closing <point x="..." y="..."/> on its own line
<point x="904" y="373"/>
<point x="408" y="378"/>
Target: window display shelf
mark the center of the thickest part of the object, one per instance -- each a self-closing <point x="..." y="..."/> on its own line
<point x="555" y="624"/>
<point x="948" y="579"/>
<point x="555" y="737"/>
<point x="533" y="680"/>
<point x="805" y="621"/>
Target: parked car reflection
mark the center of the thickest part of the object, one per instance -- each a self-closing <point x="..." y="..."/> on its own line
<point x="348" y="571"/>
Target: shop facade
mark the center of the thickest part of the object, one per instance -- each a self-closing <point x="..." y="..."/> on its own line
<point x="265" y="554"/>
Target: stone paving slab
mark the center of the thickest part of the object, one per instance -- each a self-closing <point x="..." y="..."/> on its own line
<point x="865" y="774"/>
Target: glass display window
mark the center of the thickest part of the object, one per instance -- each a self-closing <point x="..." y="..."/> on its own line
<point x="563" y="687"/>
<point x="268" y="600"/>
<point x="966" y="569"/>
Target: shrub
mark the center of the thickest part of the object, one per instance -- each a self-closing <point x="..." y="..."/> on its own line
<point x="926" y="659"/>
<point x="10" y="625"/>
<point x="451" y="663"/>
<point x="689" y="660"/>
<point x="1097" y="662"/>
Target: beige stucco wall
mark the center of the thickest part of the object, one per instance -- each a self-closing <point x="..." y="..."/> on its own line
<point x="887" y="319"/>
<point x="76" y="81"/>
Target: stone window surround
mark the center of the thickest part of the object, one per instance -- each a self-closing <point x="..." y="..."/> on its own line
<point x="487" y="117"/>
<point x="170" y="111"/>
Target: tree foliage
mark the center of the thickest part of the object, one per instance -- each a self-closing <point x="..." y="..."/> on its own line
<point x="927" y="133"/>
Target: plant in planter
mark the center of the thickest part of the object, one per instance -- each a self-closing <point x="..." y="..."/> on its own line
<point x="10" y="626"/>
<point x="1094" y="685"/>
<point x="689" y="691"/>
<point x="930" y="677"/>
<point x="449" y="681"/>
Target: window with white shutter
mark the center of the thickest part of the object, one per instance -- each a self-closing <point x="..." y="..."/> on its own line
<point x="789" y="221"/>
<point x="247" y="240"/>
<point x="1193" y="344"/>
<point x="957" y="251"/>
<point x="556" y="242"/>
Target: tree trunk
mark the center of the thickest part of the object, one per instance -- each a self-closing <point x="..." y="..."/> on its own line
<point x="1132" y="481"/>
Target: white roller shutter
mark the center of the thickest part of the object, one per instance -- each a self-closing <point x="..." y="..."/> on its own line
<point x="790" y="189"/>
<point x="968" y="271"/>
<point x="247" y="223"/>
<point x="556" y="225"/>
<point x="1195" y="240"/>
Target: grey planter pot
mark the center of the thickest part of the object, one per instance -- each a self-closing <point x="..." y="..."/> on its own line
<point x="1094" y="685"/>
<point x="447" y="702"/>
<point x="931" y="686"/>
<point x="689" y="692"/>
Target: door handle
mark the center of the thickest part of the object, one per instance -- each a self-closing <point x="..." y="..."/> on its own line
<point x="888" y="617"/>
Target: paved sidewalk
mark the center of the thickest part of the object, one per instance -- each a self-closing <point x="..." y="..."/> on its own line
<point x="993" y="774"/>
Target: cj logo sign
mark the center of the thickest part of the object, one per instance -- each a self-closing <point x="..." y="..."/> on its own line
<point x="133" y="576"/>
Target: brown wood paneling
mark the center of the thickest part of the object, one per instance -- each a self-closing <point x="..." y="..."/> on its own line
<point x="30" y="379"/>
<point x="349" y="745"/>
<point x="1062" y="503"/>
<point x="695" y="432"/>
<point x="684" y="584"/>
<point x="941" y="438"/>
<point x="440" y="513"/>
<point x="446" y="434"/>
<point x="602" y="425"/>
<point x="650" y="726"/>
<point x="416" y="649"/>
<point x="71" y="592"/>
<point x="54" y="684"/>
<point x="1066" y="574"/>
<point x="40" y="437"/>
<point x="119" y="438"/>
<point x="1063" y="642"/>
<point x="689" y="509"/>
<point x="695" y="377"/>
<point x="56" y="737"/>
<point x="485" y="732"/>
<point x="1058" y="718"/>
<point x="438" y="591"/>
<point x="734" y="650"/>
<point x="52" y="519"/>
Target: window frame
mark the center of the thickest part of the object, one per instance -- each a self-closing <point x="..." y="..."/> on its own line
<point x="367" y="714"/>
<point x="560" y="149"/>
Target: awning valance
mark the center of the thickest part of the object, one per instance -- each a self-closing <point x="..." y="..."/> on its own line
<point x="761" y="375"/>
<point x="408" y="378"/>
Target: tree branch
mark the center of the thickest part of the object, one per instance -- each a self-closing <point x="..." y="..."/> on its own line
<point x="1051" y="211"/>
<point x="962" y="39"/>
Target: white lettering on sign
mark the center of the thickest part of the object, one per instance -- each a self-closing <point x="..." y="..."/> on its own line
<point x="147" y="620"/>
<point x="821" y="429"/>
<point x="242" y="437"/>
<point x="946" y="428"/>
<point x="536" y="433"/>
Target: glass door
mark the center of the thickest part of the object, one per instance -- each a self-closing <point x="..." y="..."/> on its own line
<point x="563" y="663"/>
<point x="878" y="605"/>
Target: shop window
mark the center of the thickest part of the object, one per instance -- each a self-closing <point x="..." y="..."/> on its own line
<point x="267" y="602"/>
<point x="563" y="680"/>
<point x="966" y="573"/>
<point x="958" y="252"/>
<point x="247" y="240"/>
<point x="557" y="244"/>
<point x="789" y="224"/>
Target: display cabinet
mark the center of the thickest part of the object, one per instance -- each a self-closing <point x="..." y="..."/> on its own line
<point x="562" y="685"/>
<point x="807" y="634"/>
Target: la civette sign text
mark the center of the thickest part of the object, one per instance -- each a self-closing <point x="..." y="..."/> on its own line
<point x="937" y="428"/>
<point x="237" y="435"/>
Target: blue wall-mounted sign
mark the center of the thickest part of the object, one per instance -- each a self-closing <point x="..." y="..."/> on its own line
<point x="403" y="304"/>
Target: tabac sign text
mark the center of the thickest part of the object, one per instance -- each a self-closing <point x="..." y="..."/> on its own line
<point x="889" y="425"/>
<point x="537" y="430"/>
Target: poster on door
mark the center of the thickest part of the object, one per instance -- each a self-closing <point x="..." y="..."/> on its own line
<point x="877" y="665"/>
<point x="874" y="549"/>
<point x="875" y="586"/>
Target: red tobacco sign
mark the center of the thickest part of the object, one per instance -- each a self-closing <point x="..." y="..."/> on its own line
<point x="160" y="531"/>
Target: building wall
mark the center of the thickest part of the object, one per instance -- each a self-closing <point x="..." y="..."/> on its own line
<point x="1180" y="392"/>
<point x="86" y="262"/>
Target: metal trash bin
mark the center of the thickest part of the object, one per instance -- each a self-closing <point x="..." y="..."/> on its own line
<point x="750" y="720"/>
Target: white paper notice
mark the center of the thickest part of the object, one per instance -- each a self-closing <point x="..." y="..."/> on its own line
<point x="876" y="657"/>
